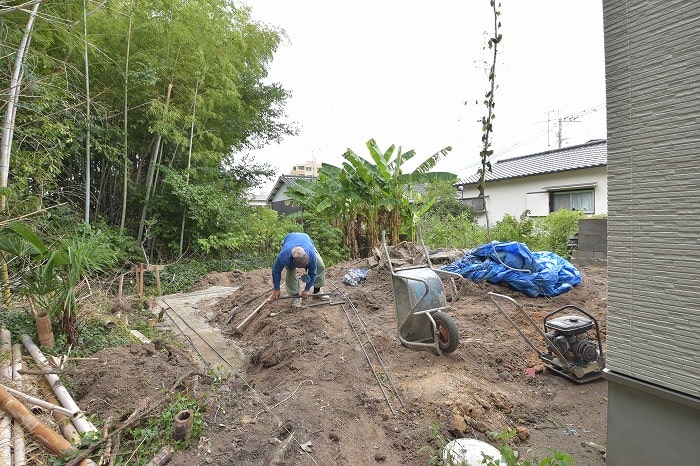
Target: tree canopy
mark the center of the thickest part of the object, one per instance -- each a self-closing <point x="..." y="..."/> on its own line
<point x="147" y="107"/>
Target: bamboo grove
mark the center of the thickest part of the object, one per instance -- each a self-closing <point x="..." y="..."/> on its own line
<point x="136" y="114"/>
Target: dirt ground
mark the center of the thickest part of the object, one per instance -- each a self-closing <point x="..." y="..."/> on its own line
<point x="333" y="385"/>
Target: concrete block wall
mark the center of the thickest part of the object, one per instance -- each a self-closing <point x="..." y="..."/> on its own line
<point x="592" y="242"/>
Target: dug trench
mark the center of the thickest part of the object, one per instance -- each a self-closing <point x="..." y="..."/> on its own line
<point x="331" y="384"/>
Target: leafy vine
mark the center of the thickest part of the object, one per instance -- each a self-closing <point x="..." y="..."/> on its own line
<point x="487" y="121"/>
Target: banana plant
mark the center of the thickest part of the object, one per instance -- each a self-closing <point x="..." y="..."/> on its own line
<point x="392" y="186"/>
<point x="368" y="196"/>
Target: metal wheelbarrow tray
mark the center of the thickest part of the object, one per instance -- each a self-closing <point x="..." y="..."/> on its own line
<point x="420" y="303"/>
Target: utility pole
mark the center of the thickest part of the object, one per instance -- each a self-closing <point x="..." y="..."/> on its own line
<point x="559" y="132"/>
<point x="562" y="122"/>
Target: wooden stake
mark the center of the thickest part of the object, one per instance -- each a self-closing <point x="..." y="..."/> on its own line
<point x="140" y="273"/>
<point x="157" y="270"/>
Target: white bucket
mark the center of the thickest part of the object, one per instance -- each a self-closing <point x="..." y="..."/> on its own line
<point x="468" y="452"/>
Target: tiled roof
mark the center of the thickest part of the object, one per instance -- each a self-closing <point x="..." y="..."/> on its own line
<point x="591" y="154"/>
<point x="287" y="180"/>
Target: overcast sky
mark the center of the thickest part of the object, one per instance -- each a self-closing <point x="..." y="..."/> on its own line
<point x="401" y="71"/>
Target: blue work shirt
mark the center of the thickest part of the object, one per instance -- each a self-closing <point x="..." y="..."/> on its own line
<point x="285" y="259"/>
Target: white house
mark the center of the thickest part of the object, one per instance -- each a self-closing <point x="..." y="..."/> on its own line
<point x="573" y="178"/>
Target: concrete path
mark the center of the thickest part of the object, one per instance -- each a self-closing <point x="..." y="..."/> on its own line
<point x="187" y="314"/>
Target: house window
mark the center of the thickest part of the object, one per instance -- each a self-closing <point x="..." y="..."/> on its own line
<point x="476" y="203"/>
<point x="582" y="199"/>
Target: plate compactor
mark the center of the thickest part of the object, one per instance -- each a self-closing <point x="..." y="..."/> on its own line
<point x="572" y="353"/>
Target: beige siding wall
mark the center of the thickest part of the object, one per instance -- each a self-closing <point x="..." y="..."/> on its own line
<point x="653" y="91"/>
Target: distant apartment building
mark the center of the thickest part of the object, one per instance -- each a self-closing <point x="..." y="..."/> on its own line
<point x="309" y="168"/>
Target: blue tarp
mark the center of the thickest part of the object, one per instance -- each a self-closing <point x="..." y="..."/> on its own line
<point x="539" y="273"/>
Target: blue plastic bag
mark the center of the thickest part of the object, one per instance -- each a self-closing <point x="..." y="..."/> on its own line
<point x="354" y="276"/>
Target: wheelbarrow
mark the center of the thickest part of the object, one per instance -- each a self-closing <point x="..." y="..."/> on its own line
<point x="421" y="305"/>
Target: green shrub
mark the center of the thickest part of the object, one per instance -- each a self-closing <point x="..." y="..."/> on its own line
<point x="18" y="323"/>
<point x="552" y="232"/>
<point x="445" y="231"/>
<point x="93" y="335"/>
<point x="328" y="240"/>
<point x="511" y="229"/>
<point x="549" y="233"/>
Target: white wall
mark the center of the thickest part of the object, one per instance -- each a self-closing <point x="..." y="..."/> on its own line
<point x="517" y="195"/>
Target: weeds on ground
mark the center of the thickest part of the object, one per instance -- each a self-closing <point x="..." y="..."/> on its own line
<point x="140" y="443"/>
<point x="508" y="455"/>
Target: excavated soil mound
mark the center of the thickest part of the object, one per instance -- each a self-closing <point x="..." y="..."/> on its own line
<point x="332" y="384"/>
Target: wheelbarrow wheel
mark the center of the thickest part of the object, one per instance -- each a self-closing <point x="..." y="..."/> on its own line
<point x="448" y="334"/>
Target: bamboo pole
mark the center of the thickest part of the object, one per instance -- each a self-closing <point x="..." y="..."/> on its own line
<point x="240" y="326"/>
<point x="5" y="373"/>
<point x="44" y="330"/>
<point x="8" y="130"/>
<point x="125" y="174"/>
<point x="80" y="421"/>
<point x="29" y="421"/>
<point x="189" y="165"/>
<point x="5" y="353"/>
<point x="157" y="269"/>
<point x="17" y="362"/>
<point x="10" y="110"/>
<point x="6" y="439"/>
<point x="19" y="454"/>
<point x="150" y="179"/>
<point x="139" y="278"/>
<point x="67" y="428"/>
<point x="39" y="402"/>
<point x="88" y="125"/>
<point x="162" y="457"/>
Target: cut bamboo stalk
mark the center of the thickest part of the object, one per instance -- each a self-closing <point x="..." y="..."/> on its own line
<point x="17" y="362"/>
<point x="162" y="457"/>
<point x="80" y="421"/>
<point x="5" y="353"/>
<point x="39" y="402"/>
<point x="182" y="425"/>
<point x="142" y="338"/>
<point x="19" y="455"/>
<point x="67" y="428"/>
<point x="5" y="373"/>
<point x="32" y="424"/>
<point x="44" y="330"/>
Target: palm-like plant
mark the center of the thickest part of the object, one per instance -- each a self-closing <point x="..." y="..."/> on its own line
<point x="50" y="276"/>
